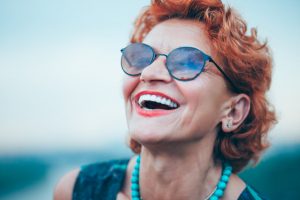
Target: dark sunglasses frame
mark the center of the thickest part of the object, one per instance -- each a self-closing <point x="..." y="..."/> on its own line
<point x="205" y="59"/>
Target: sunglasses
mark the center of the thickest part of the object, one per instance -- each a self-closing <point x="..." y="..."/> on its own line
<point x="183" y="63"/>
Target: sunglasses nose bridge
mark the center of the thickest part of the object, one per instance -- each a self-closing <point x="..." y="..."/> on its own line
<point x="155" y="71"/>
<point x="161" y="54"/>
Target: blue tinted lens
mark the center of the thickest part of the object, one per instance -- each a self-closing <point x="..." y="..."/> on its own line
<point x="185" y="63"/>
<point x="136" y="57"/>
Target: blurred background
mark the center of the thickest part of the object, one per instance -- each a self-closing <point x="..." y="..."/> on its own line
<point x="60" y="91"/>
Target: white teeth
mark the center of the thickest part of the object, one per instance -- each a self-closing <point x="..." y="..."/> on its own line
<point x="152" y="98"/>
<point x="169" y="102"/>
<point x="158" y="99"/>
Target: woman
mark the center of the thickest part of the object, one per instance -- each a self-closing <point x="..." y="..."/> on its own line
<point x="196" y="108"/>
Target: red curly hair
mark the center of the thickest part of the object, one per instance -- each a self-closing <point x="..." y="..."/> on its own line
<point x="246" y="60"/>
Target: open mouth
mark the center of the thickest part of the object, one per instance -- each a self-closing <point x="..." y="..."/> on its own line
<point x="152" y="102"/>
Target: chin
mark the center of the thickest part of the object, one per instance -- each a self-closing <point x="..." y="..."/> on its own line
<point x="149" y="136"/>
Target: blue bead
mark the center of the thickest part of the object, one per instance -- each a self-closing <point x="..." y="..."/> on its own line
<point x="134" y="179"/>
<point x="135" y="193"/>
<point x="135" y="173"/>
<point x="136" y="198"/>
<point x="227" y="172"/>
<point x="213" y="198"/>
<point x="135" y="186"/>
<point x="219" y="193"/>
<point x="221" y="185"/>
<point x="225" y="178"/>
<point x="137" y="167"/>
<point x="138" y="160"/>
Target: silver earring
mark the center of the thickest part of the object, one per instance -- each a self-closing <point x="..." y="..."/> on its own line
<point x="229" y="124"/>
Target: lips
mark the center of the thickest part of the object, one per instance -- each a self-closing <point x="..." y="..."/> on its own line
<point x="150" y="103"/>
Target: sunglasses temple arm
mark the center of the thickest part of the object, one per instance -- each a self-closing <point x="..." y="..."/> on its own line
<point x="221" y="70"/>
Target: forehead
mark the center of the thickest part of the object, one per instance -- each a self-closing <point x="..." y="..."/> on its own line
<point x="174" y="33"/>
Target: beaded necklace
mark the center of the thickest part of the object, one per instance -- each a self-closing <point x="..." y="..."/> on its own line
<point x="216" y="194"/>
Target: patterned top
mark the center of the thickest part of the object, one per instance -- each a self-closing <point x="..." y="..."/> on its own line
<point x="104" y="180"/>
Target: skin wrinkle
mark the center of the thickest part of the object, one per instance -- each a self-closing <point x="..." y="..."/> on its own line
<point x="173" y="181"/>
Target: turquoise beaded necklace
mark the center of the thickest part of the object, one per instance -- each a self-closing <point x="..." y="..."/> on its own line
<point x="216" y="195"/>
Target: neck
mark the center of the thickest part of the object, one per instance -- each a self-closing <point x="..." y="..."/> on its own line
<point x="184" y="173"/>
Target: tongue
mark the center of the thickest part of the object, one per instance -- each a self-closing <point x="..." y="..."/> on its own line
<point x="155" y="105"/>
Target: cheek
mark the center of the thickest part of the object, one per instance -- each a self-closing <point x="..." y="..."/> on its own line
<point x="204" y="90"/>
<point x="128" y="86"/>
<point x="202" y="101"/>
<point x="192" y="91"/>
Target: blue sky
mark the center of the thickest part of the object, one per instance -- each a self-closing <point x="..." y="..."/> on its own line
<point x="60" y="76"/>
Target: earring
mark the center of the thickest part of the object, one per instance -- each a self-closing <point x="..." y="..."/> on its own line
<point x="229" y="124"/>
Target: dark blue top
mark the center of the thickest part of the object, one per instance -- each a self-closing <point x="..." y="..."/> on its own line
<point x="104" y="180"/>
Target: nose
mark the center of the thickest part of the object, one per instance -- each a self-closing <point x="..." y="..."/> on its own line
<point x="157" y="71"/>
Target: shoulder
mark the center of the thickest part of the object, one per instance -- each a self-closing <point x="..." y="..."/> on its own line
<point x="87" y="180"/>
<point x="64" y="188"/>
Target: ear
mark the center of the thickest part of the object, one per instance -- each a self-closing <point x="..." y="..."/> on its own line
<point x="237" y="113"/>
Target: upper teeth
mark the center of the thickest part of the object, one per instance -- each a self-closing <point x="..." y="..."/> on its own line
<point x="158" y="99"/>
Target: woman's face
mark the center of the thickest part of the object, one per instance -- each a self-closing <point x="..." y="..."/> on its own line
<point x="201" y="101"/>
